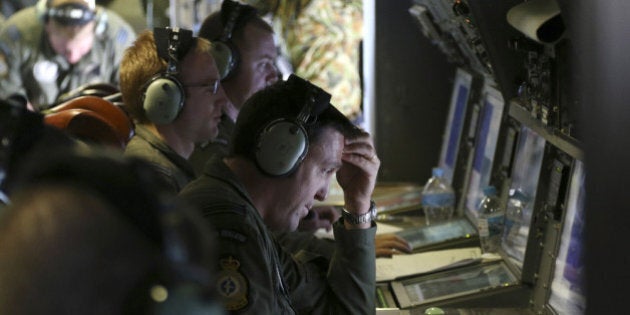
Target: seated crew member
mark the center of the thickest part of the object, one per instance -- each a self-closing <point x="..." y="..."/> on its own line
<point x="56" y="46"/>
<point x="250" y="38"/>
<point x="288" y="142"/>
<point x="25" y="138"/>
<point x="170" y="87"/>
<point x="95" y="234"/>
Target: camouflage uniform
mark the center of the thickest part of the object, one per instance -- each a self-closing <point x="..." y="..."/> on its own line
<point x="321" y="39"/>
<point x="29" y="65"/>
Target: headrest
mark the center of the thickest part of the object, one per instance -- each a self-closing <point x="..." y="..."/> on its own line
<point x="112" y="126"/>
<point x="86" y="125"/>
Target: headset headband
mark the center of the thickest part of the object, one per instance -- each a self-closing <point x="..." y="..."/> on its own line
<point x="317" y="100"/>
<point x="71" y="14"/>
<point x="172" y="45"/>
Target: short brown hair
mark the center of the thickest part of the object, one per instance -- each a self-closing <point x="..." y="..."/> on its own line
<point x="284" y="100"/>
<point x="140" y="64"/>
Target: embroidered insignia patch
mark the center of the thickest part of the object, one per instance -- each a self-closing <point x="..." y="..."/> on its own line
<point x="232" y="285"/>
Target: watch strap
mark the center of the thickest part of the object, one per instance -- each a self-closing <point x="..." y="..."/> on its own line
<point x="360" y="218"/>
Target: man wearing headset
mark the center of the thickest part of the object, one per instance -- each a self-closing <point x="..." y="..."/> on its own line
<point x="171" y="88"/>
<point x="249" y="66"/>
<point x="101" y="238"/>
<point x="58" y="45"/>
<point x="251" y="40"/>
<point x="287" y="144"/>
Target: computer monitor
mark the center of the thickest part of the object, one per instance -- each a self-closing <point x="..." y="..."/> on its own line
<point x="567" y="287"/>
<point x="455" y="122"/>
<point x="485" y="147"/>
<point x="524" y="183"/>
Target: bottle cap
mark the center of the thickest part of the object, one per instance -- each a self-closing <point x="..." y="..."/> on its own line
<point x="437" y="172"/>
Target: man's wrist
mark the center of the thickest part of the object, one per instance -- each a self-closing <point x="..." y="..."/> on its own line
<point x="357" y="219"/>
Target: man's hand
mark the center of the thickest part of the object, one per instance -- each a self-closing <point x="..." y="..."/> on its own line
<point x="321" y="217"/>
<point x="357" y="175"/>
<point x="390" y="244"/>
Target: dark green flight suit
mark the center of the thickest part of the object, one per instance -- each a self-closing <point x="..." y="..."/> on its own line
<point x="174" y="169"/>
<point x="256" y="276"/>
<point x="219" y="147"/>
<point x="29" y="66"/>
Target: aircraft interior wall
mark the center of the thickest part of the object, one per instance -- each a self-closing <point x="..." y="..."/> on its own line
<point x="570" y="89"/>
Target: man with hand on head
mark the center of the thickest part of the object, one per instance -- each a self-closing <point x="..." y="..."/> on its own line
<point x="171" y="88"/>
<point x="287" y="144"/>
<point x="54" y="47"/>
<point x="247" y="64"/>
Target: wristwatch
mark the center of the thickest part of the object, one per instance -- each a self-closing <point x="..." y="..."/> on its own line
<point x="360" y="218"/>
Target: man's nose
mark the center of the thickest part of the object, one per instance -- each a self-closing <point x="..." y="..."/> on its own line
<point x="322" y="193"/>
<point x="272" y="74"/>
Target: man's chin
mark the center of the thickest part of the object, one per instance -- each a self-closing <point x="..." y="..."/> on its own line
<point x="293" y="226"/>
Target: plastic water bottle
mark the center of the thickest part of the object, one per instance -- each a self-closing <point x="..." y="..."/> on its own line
<point x="514" y="216"/>
<point x="438" y="198"/>
<point x="490" y="220"/>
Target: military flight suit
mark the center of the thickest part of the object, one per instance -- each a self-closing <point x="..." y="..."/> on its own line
<point x="256" y="276"/>
<point x="219" y="147"/>
<point x="175" y="169"/>
<point x="29" y="66"/>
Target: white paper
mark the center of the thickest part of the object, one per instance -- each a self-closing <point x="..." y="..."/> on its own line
<point x="415" y="264"/>
<point x="383" y="228"/>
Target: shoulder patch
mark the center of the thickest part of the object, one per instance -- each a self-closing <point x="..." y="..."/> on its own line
<point x="232" y="285"/>
<point x="233" y="235"/>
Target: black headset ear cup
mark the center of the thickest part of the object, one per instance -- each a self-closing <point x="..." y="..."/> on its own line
<point x="227" y="58"/>
<point x="281" y="147"/>
<point x="231" y="13"/>
<point x="163" y="99"/>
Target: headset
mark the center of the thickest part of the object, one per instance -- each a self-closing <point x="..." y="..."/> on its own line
<point x="74" y="14"/>
<point x="282" y="143"/>
<point x="164" y="96"/>
<point x="227" y="55"/>
<point x="178" y="284"/>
